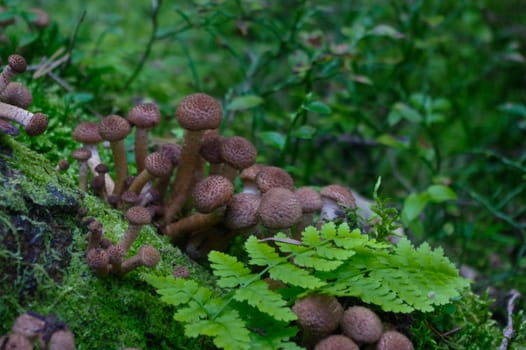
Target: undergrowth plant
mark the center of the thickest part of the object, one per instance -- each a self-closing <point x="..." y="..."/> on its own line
<point x="245" y="313"/>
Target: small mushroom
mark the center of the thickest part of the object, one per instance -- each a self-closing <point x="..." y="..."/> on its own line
<point x="144" y="117"/>
<point x="271" y="177"/>
<point x="81" y="155"/>
<point x="248" y="178"/>
<point x="147" y="256"/>
<point x="241" y="211"/>
<point x="16" y="341"/>
<point x="29" y="325"/>
<point x="114" y="129"/>
<point x="137" y="217"/>
<point x="279" y="208"/>
<point x="238" y="153"/>
<point x="393" y="340"/>
<point x="15" y="64"/>
<point x="335" y="198"/>
<point x="311" y="202"/>
<point x="195" y="113"/>
<point x="34" y="124"/>
<point x="16" y="94"/>
<point x="336" y="342"/>
<point x="362" y="325"/>
<point x="61" y="339"/>
<point x="156" y="165"/>
<point x="98" y="260"/>
<point x="210" y="150"/>
<point x="318" y="316"/>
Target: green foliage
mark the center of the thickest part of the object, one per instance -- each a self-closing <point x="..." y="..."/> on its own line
<point x="333" y="260"/>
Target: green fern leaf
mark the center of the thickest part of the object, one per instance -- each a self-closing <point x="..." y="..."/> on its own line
<point x="260" y="296"/>
<point x="261" y="254"/>
<point x="231" y="272"/>
<point x="295" y="276"/>
<point x="228" y="331"/>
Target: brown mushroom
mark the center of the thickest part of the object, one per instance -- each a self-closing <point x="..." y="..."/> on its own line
<point x="279" y="208"/>
<point x="34" y="124"/>
<point x="114" y="129"/>
<point x="195" y="113"/>
<point x="137" y="217"/>
<point x="311" y="202"/>
<point x="335" y="199"/>
<point x="393" y="340"/>
<point x="248" y="178"/>
<point x="15" y="64"/>
<point x="16" y="341"/>
<point x="98" y="260"/>
<point x="362" y="325"/>
<point x="147" y="256"/>
<point x="271" y="177"/>
<point x="241" y="211"/>
<point x="156" y="165"/>
<point x="61" y="339"/>
<point x="16" y="94"/>
<point x="29" y="325"/>
<point x="210" y="150"/>
<point x="336" y="342"/>
<point x="237" y="153"/>
<point x="144" y="116"/>
<point x="81" y="155"/>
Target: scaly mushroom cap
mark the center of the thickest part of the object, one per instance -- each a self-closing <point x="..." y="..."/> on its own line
<point x="130" y="198"/>
<point x="279" y="208"/>
<point x="150" y="257"/>
<point x="211" y="193"/>
<point x="114" y="128"/>
<point x="102" y="168"/>
<point x="271" y="177"/>
<point x="241" y="211"/>
<point x="16" y="341"/>
<point x="138" y="215"/>
<point x="211" y="147"/>
<point x="238" y="152"/>
<point x="115" y="254"/>
<point x="61" y="339"/>
<point x="393" y="340"/>
<point x="145" y="115"/>
<point x="199" y="112"/>
<point x="250" y="173"/>
<point x="361" y="324"/>
<point x="97" y="258"/>
<point x="337" y="342"/>
<point x="81" y="154"/>
<point x="17" y="94"/>
<point x="318" y="314"/>
<point x="157" y="164"/>
<point x="340" y="195"/>
<point x="17" y="63"/>
<point x="87" y="133"/>
<point x="37" y="125"/>
<point x="309" y="198"/>
<point x="28" y="325"/>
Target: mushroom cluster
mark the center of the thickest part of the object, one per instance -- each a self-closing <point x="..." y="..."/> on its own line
<point x="325" y="325"/>
<point x="14" y="99"/>
<point x="189" y="188"/>
<point x="30" y="329"/>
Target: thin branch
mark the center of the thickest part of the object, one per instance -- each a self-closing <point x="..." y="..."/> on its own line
<point x="508" y="331"/>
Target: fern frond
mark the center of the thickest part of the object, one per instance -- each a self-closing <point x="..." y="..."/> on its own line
<point x="230" y="271"/>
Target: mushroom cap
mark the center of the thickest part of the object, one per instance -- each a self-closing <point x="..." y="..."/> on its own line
<point x="28" y="325"/>
<point x="17" y="63"/>
<point x="97" y="258"/>
<point x="241" y="211"/>
<point x="115" y="253"/>
<point x="37" y="125"/>
<point x="61" y="339"/>
<point x="16" y="94"/>
<point x="149" y="255"/>
<point x="114" y="128"/>
<point x="393" y="340"/>
<point x="81" y="154"/>
<point x="309" y="198"/>
<point x="361" y="324"/>
<point x="138" y="215"/>
<point x="199" y="112"/>
<point x="158" y="164"/>
<point x="172" y="151"/>
<point x="144" y="115"/>
<point x="211" y="193"/>
<point x="7" y="128"/>
<point x="16" y="341"/>
<point x="318" y="314"/>
<point x="279" y="208"/>
<point x="210" y="148"/>
<point x="250" y="173"/>
<point x="102" y="168"/>
<point x="87" y="133"/>
<point x="336" y="342"/>
<point x="238" y="152"/>
<point x="271" y="177"/>
<point x="42" y="19"/>
<point x="129" y="197"/>
<point x="339" y="194"/>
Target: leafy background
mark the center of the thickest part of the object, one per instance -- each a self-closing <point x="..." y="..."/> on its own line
<point x="429" y="95"/>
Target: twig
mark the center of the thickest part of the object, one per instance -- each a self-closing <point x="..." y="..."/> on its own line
<point x="508" y="331"/>
<point x="156" y="6"/>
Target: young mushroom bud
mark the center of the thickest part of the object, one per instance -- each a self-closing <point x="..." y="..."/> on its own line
<point x="279" y="208"/>
<point x="98" y="260"/>
<point x="34" y="124"/>
<point x="156" y="165"/>
<point x="271" y="177"/>
<point x="144" y="116"/>
<point x="114" y="129"/>
<point x="362" y="325"/>
<point x="393" y="340"/>
<point x="16" y="94"/>
<point x="237" y="153"/>
<point x="209" y="196"/>
<point x="195" y="113"/>
<point x="137" y="217"/>
<point x="15" y="64"/>
<point x="147" y="256"/>
<point x="335" y="199"/>
<point x="81" y="155"/>
<point x="318" y="316"/>
<point x="337" y="342"/>
<point x="248" y="178"/>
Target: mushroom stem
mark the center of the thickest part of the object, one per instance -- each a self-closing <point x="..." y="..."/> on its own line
<point x="121" y="165"/>
<point x="15" y="64"/>
<point x="17" y="114"/>
<point x="147" y="256"/>
<point x="179" y="230"/>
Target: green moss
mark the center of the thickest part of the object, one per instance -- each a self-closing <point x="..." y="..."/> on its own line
<point x="104" y="313"/>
